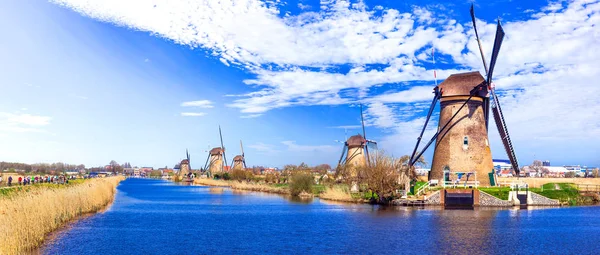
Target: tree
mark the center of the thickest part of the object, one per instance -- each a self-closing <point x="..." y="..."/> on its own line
<point x="301" y="182"/>
<point x="322" y="168"/>
<point x="115" y="167"/>
<point x="538" y="167"/>
<point x="595" y="173"/>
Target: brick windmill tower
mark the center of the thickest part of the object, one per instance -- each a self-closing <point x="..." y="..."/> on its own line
<point x="355" y="152"/>
<point x="461" y="141"/>
<point x="239" y="161"/>
<point x="216" y="161"/>
<point x="184" y="166"/>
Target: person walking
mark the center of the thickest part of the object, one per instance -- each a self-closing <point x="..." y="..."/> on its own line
<point x="10" y="180"/>
<point x="20" y="180"/>
<point x="1" y="180"/>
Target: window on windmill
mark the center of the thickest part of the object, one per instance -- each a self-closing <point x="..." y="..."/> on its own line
<point x="466" y="142"/>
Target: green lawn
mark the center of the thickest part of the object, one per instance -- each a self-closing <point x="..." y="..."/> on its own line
<point x="567" y="193"/>
<point x="499" y="192"/>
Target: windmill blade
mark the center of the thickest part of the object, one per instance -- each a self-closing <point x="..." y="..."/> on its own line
<point x="342" y="156"/>
<point x="187" y="154"/>
<point x="206" y="166"/>
<point x="486" y="101"/>
<point x="362" y="120"/>
<point x="478" y="41"/>
<point x="503" y="130"/>
<point x="223" y="149"/>
<point x="242" y="147"/>
<point x="495" y="51"/>
<point x="372" y="144"/>
<point x="436" y="97"/>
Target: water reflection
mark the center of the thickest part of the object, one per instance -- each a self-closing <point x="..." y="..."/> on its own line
<point x="209" y="220"/>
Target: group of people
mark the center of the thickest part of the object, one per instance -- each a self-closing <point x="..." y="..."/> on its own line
<point x="28" y="180"/>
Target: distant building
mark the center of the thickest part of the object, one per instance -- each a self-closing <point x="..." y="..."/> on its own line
<point x="422" y="171"/>
<point x="546" y="163"/>
<point x="502" y="164"/>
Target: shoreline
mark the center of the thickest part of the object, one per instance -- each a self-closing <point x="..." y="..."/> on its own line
<point x="47" y="209"/>
<point x="331" y="194"/>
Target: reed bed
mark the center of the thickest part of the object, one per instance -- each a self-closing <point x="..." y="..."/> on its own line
<point x="26" y="217"/>
<point x="242" y="186"/>
<point x="340" y="194"/>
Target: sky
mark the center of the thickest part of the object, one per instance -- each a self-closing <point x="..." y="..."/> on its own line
<point x="85" y="81"/>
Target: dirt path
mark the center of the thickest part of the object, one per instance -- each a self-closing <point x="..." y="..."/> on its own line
<point x="556" y="187"/>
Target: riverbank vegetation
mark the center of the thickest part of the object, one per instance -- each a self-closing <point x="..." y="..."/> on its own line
<point x="565" y="193"/>
<point x="378" y="182"/>
<point x="28" y="213"/>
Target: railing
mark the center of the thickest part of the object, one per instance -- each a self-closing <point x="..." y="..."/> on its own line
<point x="588" y="187"/>
<point x="464" y="184"/>
<point x="422" y="188"/>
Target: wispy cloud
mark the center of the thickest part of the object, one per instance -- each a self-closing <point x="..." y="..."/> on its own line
<point x="193" y="114"/>
<point x="292" y="146"/>
<point x="251" y="116"/>
<point x="78" y="96"/>
<point x="297" y="59"/>
<point x="10" y="122"/>
<point x="199" y="104"/>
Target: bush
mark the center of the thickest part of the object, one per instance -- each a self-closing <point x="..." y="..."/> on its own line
<point x="270" y="178"/>
<point x="569" y="175"/>
<point x="301" y="182"/>
<point x="226" y="176"/>
<point x="238" y="175"/>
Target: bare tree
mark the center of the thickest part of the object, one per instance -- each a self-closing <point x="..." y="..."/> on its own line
<point x="538" y="167"/>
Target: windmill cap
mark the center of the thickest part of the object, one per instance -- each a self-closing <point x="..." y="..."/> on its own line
<point x="185" y="161"/>
<point x="356" y="140"/>
<point x="238" y="158"/>
<point x="462" y="84"/>
<point x="216" y="151"/>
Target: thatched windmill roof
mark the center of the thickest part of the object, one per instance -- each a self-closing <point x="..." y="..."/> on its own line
<point x="356" y="141"/>
<point x="216" y="151"/>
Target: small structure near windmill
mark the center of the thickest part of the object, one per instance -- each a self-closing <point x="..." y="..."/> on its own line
<point x="216" y="161"/>
<point x="461" y="141"/>
<point x="239" y="161"/>
<point x="355" y="153"/>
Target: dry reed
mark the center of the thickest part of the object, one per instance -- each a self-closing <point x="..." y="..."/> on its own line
<point x="241" y="185"/>
<point x="338" y="194"/>
<point x="26" y="217"/>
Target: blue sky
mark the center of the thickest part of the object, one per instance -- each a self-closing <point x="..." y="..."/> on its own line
<point x="141" y="81"/>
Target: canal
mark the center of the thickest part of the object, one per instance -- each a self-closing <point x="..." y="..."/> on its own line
<point x="158" y="217"/>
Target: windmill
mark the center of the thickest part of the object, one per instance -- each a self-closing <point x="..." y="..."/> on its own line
<point x="239" y="161"/>
<point x="216" y="160"/>
<point x="184" y="166"/>
<point x="356" y="148"/>
<point x="462" y="135"/>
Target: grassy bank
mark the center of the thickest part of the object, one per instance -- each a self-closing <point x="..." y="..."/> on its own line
<point x="28" y="213"/>
<point x="338" y="193"/>
<point x="242" y="185"/>
<point x="566" y="193"/>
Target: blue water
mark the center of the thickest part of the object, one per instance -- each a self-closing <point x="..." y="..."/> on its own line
<point x="158" y="217"/>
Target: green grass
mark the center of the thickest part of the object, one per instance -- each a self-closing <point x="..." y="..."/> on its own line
<point x="318" y="189"/>
<point x="568" y="192"/>
<point x="499" y="192"/>
<point x="8" y="191"/>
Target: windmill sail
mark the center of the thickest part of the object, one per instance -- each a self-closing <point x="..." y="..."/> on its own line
<point x="503" y="130"/>
<point x="496" y="110"/>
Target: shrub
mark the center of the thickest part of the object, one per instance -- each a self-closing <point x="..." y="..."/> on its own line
<point x="301" y="182"/>
<point x="238" y="175"/>
<point x="226" y="176"/>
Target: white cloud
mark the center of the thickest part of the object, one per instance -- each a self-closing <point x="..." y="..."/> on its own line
<point x="79" y="96"/>
<point x="21" y="123"/>
<point x="292" y="146"/>
<point x="193" y="114"/>
<point x="199" y="103"/>
<point x="250" y="116"/>
<point x="545" y="71"/>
